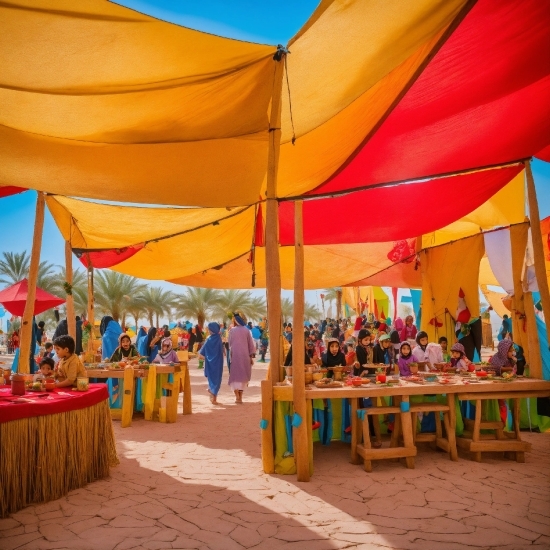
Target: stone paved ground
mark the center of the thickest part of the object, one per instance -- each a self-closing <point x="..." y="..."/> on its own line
<point x="199" y="484"/>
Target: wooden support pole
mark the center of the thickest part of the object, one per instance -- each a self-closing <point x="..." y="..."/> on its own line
<point x="538" y="247"/>
<point x="301" y="451"/>
<point x="273" y="270"/>
<point x="71" y="321"/>
<point x="91" y="318"/>
<point x="518" y="243"/>
<point x="27" y="332"/>
<point x="535" y="359"/>
<point x="267" y="433"/>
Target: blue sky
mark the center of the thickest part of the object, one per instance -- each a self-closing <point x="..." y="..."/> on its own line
<point x="253" y="20"/>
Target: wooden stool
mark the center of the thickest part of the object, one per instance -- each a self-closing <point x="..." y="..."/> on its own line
<point x="448" y="443"/>
<point x="360" y="432"/>
<point x="498" y="440"/>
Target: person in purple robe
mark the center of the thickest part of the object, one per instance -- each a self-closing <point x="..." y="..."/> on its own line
<point x="242" y="352"/>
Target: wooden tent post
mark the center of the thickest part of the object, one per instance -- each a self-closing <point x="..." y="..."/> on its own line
<point x="91" y="319"/>
<point x="273" y="269"/>
<point x="538" y="246"/>
<point x="27" y="332"/>
<point x="301" y="450"/>
<point x="71" y="321"/>
<point x="518" y="243"/>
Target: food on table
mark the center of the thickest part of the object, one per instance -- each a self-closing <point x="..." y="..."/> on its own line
<point x="481" y="373"/>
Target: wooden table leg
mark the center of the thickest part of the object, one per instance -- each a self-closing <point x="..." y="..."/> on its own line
<point x="150" y="393"/>
<point x="367" y="464"/>
<point x="396" y="425"/>
<point x="356" y="431"/>
<point x="172" y="400"/>
<point x="309" y="410"/>
<point x="187" y="404"/>
<point x="476" y="431"/>
<point x="128" y="397"/>
<point x="451" y="428"/>
<point x="406" y="422"/>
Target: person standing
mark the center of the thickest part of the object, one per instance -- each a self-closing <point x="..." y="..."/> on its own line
<point x="242" y="351"/>
<point x="212" y="351"/>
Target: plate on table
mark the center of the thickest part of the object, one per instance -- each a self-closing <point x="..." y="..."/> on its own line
<point x="331" y="384"/>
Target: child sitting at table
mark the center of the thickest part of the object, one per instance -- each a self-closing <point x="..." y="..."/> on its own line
<point x="166" y="354"/>
<point x="504" y="360"/>
<point x="459" y="361"/>
<point x="350" y="355"/>
<point x="69" y="367"/>
<point x="333" y="357"/>
<point x="46" y="369"/>
<point x="48" y="350"/>
<point x="443" y="342"/>
<point x="363" y="352"/>
<point x="405" y="359"/>
<point x="125" y="349"/>
<point x="383" y="351"/>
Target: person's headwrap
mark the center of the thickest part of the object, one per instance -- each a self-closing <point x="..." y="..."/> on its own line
<point x="239" y="320"/>
<point x="104" y="322"/>
<point x="501" y="359"/>
<point x="419" y="336"/>
<point x="165" y="341"/>
<point x="121" y="336"/>
<point x="214" y="328"/>
<point x="459" y="347"/>
<point x="150" y="335"/>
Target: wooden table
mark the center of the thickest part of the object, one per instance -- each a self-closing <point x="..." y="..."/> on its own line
<point x="130" y="376"/>
<point x="519" y="388"/>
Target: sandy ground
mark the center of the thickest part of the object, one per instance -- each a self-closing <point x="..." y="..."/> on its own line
<point x="199" y="484"/>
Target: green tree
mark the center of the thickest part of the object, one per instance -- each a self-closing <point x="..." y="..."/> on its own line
<point x="154" y="302"/>
<point x="198" y="303"/>
<point x="232" y="300"/>
<point x="334" y="294"/>
<point x="113" y="293"/>
<point x="311" y="312"/>
<point x="287" y="309"/>
<point x="14" y="266"/>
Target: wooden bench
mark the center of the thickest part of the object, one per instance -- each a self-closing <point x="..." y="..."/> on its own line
<point x="361" y="446"/>
<point x="497" y="440"/>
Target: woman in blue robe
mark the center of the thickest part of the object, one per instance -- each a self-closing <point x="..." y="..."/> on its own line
<point x="109" y="336"/>
<point x="141" y="342"/>
<point x="212" y="351"/>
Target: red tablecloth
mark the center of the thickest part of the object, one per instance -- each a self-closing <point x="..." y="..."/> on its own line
<point x="52" y="403"/>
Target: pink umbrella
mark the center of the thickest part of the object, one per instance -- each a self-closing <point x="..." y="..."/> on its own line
<point x="14" y="298"/>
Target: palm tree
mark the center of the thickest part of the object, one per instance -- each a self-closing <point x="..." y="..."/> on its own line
<point x="311" y="312"/>
<point x="334" y="294"/>
<point x="287" y="309"/>
<point x="232" y="300"/>
<point x="15" y="266"/>
<point x="198" y="303"/>
<point x="153" y="302"/>
<point x="113" y="292"/>
<point x="79" y="289"/>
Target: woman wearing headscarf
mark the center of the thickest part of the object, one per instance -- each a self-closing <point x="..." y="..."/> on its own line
<point x="242" y="351"/>
<point x="166" y="355"/>
<point x="152" y="344"/>
<point x="125" y="349"/>
<point x="141" y="342"/>
<point x="212" y="351"/>
<point x="109" y="336"/>
<point x="199" y="337"/>
<point x="504" y="359"/>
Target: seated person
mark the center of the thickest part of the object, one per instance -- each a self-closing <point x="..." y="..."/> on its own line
<point x="46" y="370"/>
<point x="504" y="360"/>
<point x="333" y="357"/>
<point x="166" y="354"/>
<point x="443" y="342"/>
<point x="383" y="351"/>
<point x="363" y="352"/>
<point x="307" y="358"/>
<point x="350" y="356"/>
<point x="125" y="349"/>
<point x="405" y="359"/>
<point x="69" y="367"/>
<point x="48" y="350"/>
<point x="459" y="361"/>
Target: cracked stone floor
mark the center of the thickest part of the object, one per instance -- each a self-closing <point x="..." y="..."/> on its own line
<point x="199" y="484"/>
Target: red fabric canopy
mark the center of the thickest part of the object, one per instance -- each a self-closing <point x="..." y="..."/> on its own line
<point x="14" y="299"/>
<point x="10" y="190"/>
<point x="102" y="259"/>
<point x="385" y="213"/>
<point x="482" y="100"/>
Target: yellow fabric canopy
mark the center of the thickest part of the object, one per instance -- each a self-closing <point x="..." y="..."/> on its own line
<point x="100" y="101"/>
<point x="506" y="207"/>
<point x="495" y="300"/>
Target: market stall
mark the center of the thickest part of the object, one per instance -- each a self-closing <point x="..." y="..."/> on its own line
<point x="51" y="443"/>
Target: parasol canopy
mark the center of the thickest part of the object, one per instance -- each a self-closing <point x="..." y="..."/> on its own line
<point x="14" y="298"/>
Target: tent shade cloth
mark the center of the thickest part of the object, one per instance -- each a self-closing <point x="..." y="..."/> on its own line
<point x="413" y="90"/>
<point x="6" y="191"/>
<point x="14" y="299"/>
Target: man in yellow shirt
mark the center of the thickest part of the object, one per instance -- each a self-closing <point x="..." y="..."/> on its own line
<point x="69" y="367"/>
